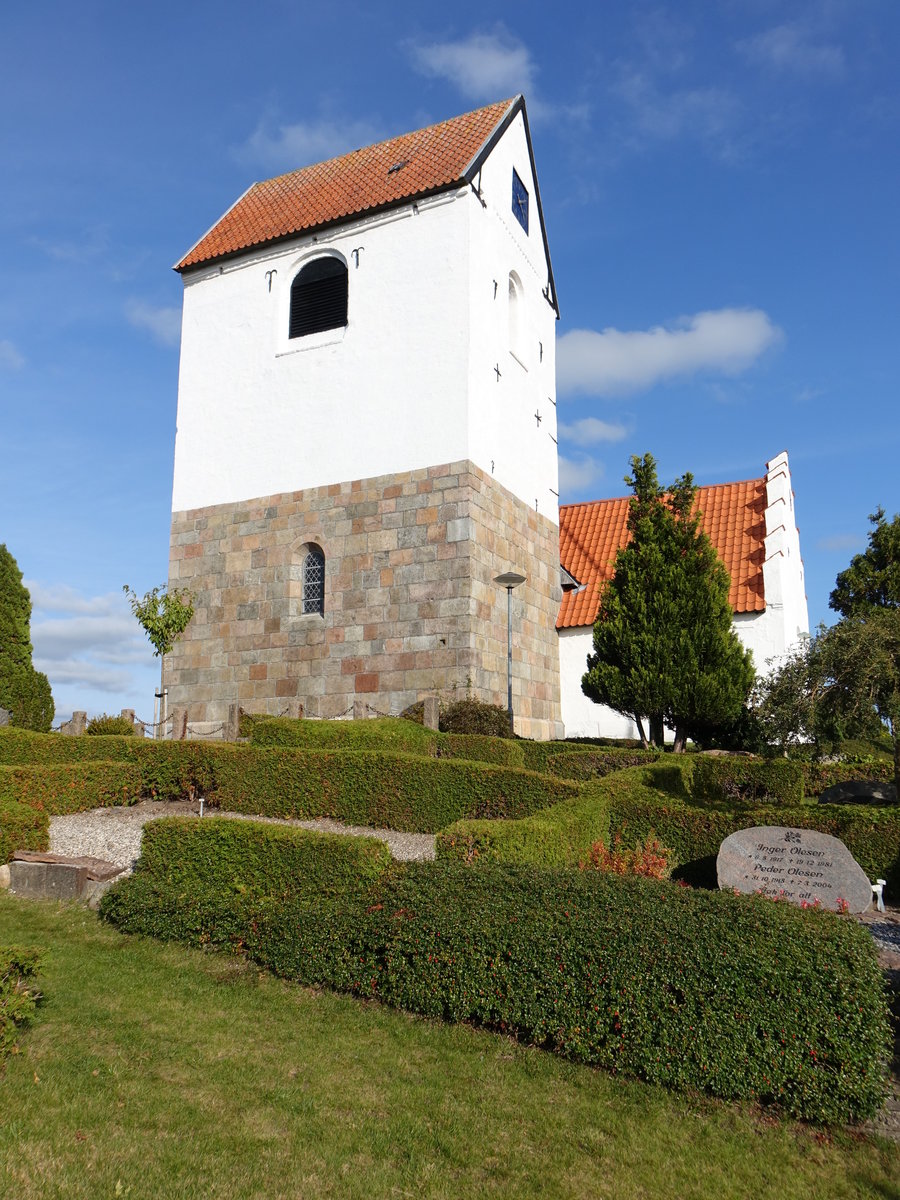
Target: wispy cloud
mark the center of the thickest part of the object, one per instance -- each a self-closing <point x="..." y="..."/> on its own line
<point x="616" y="362"/>
<point x="285" y="147"/>
<point x="708" y="115"/>
<point x="841" y="541"/>
<point x="163" y="323"/>
<point x="794" y="49"/>
<point x="10" y="358"/>
<point x="590" y="431"/>
<point x="577" y="475"/>
<point x="85" y="642"/>
<point x="483" y="66"/>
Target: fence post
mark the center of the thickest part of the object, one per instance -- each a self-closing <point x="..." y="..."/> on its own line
<point x="359" y="710"/>
<point x="76" y="726"/>
<point x="432" y="713"/>
<point x="295" y="709"/>
<point x="179" y="724"/>
<point x="233" y="724"/>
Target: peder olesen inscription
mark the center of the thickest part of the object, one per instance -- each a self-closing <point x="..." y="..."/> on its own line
<point x="799" y="865"/>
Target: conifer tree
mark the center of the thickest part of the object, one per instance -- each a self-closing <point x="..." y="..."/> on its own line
<point x="24" y="692"/>
<point x="664" y="647"/>
<point x="873" y="578"/>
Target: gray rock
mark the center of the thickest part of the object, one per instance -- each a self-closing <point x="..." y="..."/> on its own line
<point x="799" y="865"/>
<point x="859" y="791"/>
<point x="5" y="716"/>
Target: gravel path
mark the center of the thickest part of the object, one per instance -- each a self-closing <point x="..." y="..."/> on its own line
<point x="115" y="834"/>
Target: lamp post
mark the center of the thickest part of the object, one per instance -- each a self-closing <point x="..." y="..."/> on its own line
<point x="509" y="580"/>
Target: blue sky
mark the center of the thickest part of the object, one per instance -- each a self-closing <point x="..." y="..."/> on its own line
<point x="720" y="186"/>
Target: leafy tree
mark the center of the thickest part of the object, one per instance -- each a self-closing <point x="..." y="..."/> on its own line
<point x="844" y="684"/>
<point x="873" y="578"/>
<point x="664" y="647"/>
<point x="163" y="614"/>
<point x="24" y="692"/>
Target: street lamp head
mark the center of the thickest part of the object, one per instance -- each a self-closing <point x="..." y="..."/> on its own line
<point x="510" y="579"/>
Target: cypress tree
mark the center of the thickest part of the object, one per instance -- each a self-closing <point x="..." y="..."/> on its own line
<point x="664" y="646"/>
<point x="24" y="692"/>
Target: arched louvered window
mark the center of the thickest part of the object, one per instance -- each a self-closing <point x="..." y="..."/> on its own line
<point x="319" y="297"/>
<point x="314" y="581"/>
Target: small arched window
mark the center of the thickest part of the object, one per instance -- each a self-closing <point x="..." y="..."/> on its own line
<point x="314" y="581"/>
<point x="319" y="297"/>
<point x="515" y="315"/>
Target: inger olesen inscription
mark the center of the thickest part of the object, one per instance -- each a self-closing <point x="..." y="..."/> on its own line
<point x="800" y="865"/>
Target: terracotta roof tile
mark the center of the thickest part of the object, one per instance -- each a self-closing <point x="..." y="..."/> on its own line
<point x="428" y="160"/>
<point x="732" y="515"/>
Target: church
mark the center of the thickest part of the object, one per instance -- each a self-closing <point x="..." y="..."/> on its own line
<point x="366" y="440"/>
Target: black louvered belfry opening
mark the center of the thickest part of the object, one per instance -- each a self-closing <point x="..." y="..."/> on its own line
<point x="314" y="582"/>
<point x="319" y="297"/>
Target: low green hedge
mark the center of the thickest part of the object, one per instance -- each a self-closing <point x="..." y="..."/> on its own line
<point x="738" y="997"/>
<point x="592" y="763"/>
<point x="392" y="791"/>
<point x="209" y="881"/>
<point x="19" y="996"/>
<point x="560" y="836"/>
<point x="747" y="781"/>
<point x="694" y="833"/>
<point x="820" y="776"/>
<point x="74" y="787"/>
<point x="22" y="827"/>
<point x="259" y="858"/>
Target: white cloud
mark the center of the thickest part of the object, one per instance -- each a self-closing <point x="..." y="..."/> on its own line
<point x="840" y="541"/>
<point x="59" y="597"/>
<point x="84" y="674"/>
<point x="10" y="356"/>
<point x="613" y="362"/>
<point x="287" y="147"/>
<point x="590" y="431"/>
<point x="706" y="114"/>
<point x="163" y="323"/>
<point x="791" y="48"/>
<point x="483" y="66"/>
<point x="578" y="475"/>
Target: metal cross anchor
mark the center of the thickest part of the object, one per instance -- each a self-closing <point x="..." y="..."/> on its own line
<point x="497" y="371"/>
<point x="537" y="416"/>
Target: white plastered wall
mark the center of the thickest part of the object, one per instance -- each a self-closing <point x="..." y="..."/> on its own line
<point x="409" y="382"/>
<point x="769" y="634"/>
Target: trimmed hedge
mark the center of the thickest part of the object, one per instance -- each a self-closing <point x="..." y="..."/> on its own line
<point x="22" y="827"/>
<point x="820" y="776"/>
<point x="560" y="836"/>
<point x="208" y="881"/>
<point x="738" y="997"/>
<point x="747" y="781"/>
<point x="74" y="787"/>
<point x="393" y="791"/>
<point x="596" y="764"/>
<point x="694" y="833"/>
<point x="258" y="858"/>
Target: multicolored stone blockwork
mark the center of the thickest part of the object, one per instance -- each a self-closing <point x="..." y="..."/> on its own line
<point x="411" y="608"/>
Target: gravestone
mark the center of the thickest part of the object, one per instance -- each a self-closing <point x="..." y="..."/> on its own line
<point x="799" y="865"/>
<point x="5" y="716"/>
<point x="859" y="791"/>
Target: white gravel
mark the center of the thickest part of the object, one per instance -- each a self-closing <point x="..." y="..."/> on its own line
<point x="114" y="834"/>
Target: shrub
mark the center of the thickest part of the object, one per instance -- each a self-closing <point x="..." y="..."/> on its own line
<point x="648" y="859"/>
<point x="595" y="764"/>
<point x="22" y="827"/>
<point x="208" y="881"/>
<point x="748" y="781"/>
<point x="19" y="997"/>
<point x="820" y="776"/>
<point x="105" y="725"/>
<point x="393" y="791"/>
<point x="732" y="996"/>
<point x="559" y="836"/>
<point x="71" y="788"/>
<point x="474" y="716"/>
<point x="381" y="733"/>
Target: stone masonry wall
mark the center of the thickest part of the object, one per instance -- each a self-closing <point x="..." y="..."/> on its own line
<point x="410" y="606"/>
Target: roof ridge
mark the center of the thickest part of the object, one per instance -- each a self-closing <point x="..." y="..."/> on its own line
<point x="701" y="487"/>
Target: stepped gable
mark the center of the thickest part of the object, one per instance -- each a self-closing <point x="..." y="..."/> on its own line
<point x="732" y="516"/>
<point x="376" y="177"/>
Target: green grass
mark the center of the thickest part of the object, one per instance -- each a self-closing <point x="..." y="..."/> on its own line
<point x="155" y="1071"/>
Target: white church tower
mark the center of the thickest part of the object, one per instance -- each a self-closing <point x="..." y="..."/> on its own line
<point x="367" y="434"/>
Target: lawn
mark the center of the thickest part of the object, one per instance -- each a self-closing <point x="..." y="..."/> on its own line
<point x="155" y="1071"/>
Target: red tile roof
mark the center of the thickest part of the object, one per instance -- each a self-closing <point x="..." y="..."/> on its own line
<point x="426" y="161"/>
<point x="732" y="515"/>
